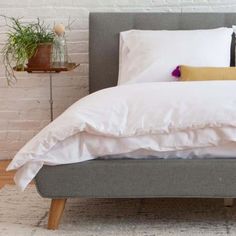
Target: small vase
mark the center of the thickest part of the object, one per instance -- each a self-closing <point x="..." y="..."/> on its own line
<point x="60" y="53"/>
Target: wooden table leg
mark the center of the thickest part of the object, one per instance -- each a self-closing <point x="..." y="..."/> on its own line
<point x="56" y="211"/>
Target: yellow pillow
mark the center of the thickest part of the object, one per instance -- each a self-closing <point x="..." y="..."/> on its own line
<point x="189" y="73"/>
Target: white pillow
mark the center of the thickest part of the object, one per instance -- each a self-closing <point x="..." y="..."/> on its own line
<point x="151" y="56"/>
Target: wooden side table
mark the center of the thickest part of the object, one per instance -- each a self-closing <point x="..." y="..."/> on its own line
<point x="55" y="68"/>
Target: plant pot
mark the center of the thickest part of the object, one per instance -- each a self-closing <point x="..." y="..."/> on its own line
<point x="42" y="57"/>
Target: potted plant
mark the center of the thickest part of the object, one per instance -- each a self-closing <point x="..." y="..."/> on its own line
<point x="26" y="45"/>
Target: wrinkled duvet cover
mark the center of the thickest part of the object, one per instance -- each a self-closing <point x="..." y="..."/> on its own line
<point x="163" y="119"/>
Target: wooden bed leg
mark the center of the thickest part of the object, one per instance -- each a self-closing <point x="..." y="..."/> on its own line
<point x="228" y="202"/>
<point x="56" y="211"/>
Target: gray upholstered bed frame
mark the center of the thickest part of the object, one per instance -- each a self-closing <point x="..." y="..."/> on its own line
<point x="136" y="178"/>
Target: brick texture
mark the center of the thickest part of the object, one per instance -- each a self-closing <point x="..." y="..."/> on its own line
<point x="24" y="108"/>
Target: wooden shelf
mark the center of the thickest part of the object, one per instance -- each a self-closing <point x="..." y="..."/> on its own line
<point x="56" y="68"/>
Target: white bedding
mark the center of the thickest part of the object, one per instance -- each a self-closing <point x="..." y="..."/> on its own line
<point x="161" y="119"/>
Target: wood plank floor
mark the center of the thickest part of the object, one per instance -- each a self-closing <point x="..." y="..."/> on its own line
<point x="5" y="177"/>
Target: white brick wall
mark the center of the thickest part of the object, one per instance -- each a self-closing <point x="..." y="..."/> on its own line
<point x="24" y="108"/>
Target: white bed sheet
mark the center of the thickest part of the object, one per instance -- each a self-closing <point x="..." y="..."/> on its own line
<point x="165" y="119"/>
<point x="142" y="146"/>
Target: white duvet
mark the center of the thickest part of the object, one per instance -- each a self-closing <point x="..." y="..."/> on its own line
<point x="163" y="117"/>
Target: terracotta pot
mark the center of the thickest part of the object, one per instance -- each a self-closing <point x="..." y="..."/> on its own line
<point x="42" y="56"/>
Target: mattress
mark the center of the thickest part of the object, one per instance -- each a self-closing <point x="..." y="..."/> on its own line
<point x="68" y="152"/>
<point x="139" y="178"/>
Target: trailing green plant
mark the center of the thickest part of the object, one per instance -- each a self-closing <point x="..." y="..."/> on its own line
<point x="21" y="44"/>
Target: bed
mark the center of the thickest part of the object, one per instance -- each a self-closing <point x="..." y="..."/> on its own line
<point x="143" y="178"/>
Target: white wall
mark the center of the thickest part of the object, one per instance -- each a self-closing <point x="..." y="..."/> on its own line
<point x="24" y="108"/>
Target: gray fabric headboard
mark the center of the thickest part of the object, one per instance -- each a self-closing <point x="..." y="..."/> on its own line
<point x="104" y="31"/>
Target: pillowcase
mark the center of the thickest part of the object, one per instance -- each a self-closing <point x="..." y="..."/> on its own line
<point x="189" y="73"/>
<point x="151" y="56"/>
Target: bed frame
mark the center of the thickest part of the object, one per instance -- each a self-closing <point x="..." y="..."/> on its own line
<point x="208" y="178"/>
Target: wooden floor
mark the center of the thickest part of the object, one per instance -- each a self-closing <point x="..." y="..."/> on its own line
<point x="5" y="177"/>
